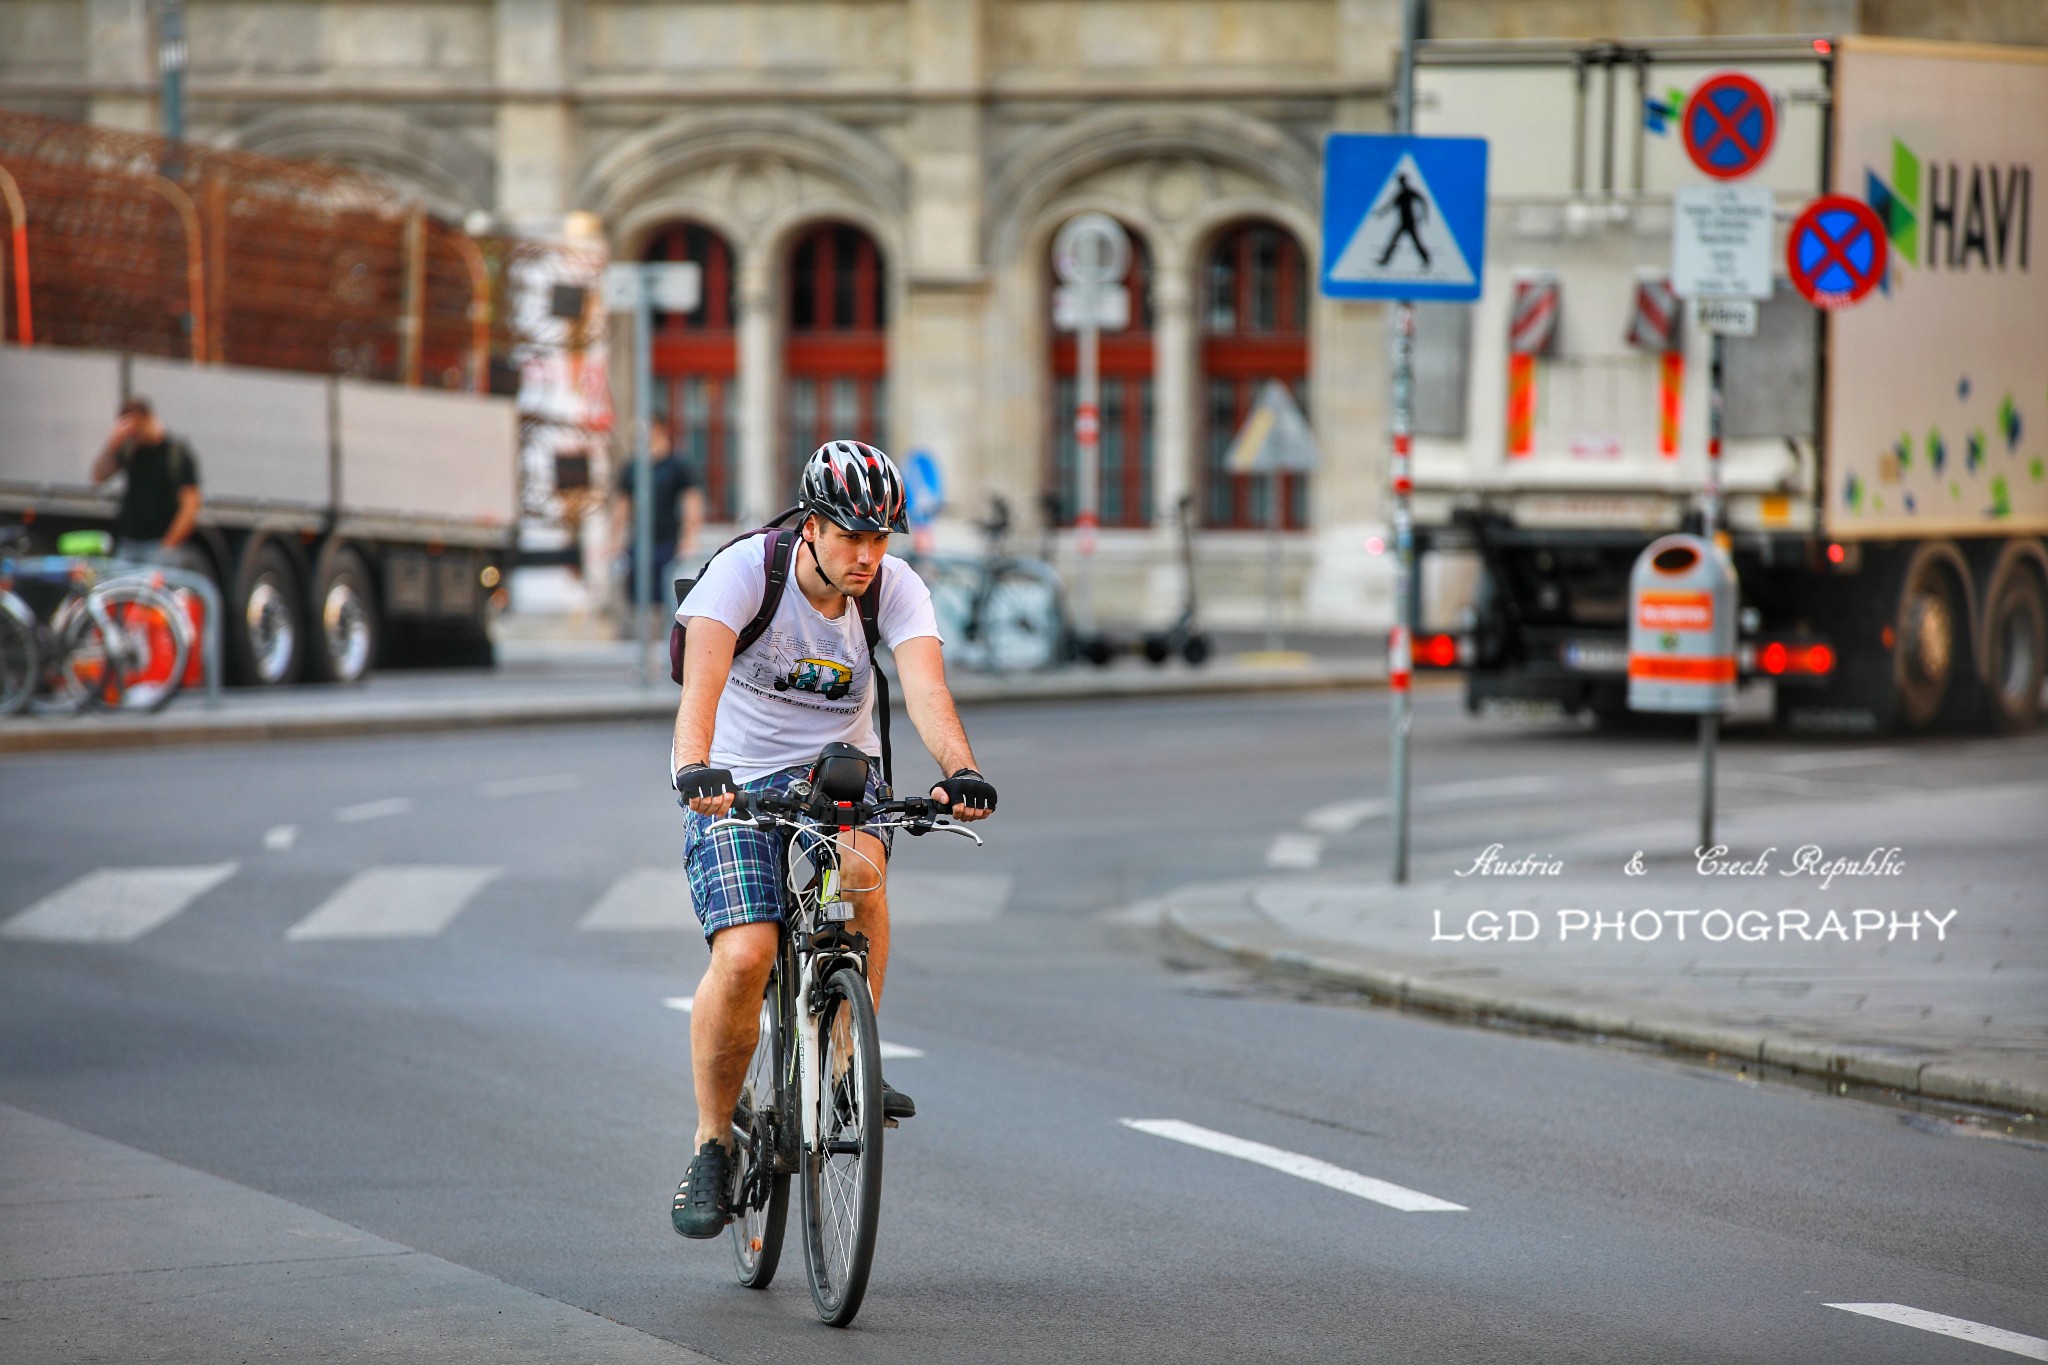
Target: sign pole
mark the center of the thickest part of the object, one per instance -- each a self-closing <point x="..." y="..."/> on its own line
<point x="1399" y="647"/>
<point x="643" y="479"/>
<point x="1710" y="519"/>
<point x="1087" y="464"/>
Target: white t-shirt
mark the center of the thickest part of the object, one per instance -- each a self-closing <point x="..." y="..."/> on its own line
<point x="760" y="728"/>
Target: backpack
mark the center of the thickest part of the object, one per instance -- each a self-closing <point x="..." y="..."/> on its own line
<point x="778" y="559"/>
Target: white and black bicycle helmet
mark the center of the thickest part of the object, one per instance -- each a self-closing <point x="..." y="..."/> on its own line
<point x="854" y="486"/>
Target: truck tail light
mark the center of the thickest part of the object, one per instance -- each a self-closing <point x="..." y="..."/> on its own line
<point x="1437" y="651"/>
<point x="1808" y="658"/>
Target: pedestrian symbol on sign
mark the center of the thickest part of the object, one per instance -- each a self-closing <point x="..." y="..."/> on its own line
<point x="1403" y="237"/>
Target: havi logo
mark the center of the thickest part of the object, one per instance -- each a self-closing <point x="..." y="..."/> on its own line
<point x="1962" y="213"/>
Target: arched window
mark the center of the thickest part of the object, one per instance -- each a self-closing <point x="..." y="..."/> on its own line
<point x="1124" y="364"/>
<point x="695" y="365"/>
<point x="1254" y="328"/>
<point x="837" y="357"/>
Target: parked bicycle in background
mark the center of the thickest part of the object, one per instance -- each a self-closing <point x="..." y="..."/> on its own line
<point x="108" y="635"/>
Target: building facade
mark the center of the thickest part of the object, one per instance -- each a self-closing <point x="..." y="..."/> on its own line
<point x="872" y="189"/>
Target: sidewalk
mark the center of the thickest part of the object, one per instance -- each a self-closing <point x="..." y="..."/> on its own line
<point x="109" y="1253"/>
<point x="1960" y="1015"/>
<point x="558" y="681"/>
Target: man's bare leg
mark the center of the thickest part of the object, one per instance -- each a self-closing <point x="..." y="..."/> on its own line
<point x="725" y="1021"/>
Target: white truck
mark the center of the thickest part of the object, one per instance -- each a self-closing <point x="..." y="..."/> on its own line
<point x="345" y="521"/>
<point x="1883" y="462"/>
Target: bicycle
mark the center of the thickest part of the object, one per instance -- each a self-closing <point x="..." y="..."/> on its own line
<point x="811" y="1103"/>
<point x="118" y="640"/>
<point x="1000" y="613"/>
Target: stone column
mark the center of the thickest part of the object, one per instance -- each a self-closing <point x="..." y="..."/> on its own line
<point x="755" y="325"/>
<point x="1174" y="362"/>
<point x="120" y="49"/>
<point x="535" y="128"/>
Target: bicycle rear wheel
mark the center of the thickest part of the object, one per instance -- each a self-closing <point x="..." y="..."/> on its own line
<point x="759" y="1123"/>
<point x="155" y="643"/>
<point x="842" y="1170"/>
<point x="20" y="661"/>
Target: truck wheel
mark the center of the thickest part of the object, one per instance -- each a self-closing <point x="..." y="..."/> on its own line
<point x="266" y="622"/>
<point x="1929" y="641"/>
<point x="2015" y="649"/>
<point x="345" y="626"/>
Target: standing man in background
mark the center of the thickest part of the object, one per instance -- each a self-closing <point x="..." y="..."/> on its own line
<point x="678" y="512"/>
<point x="160" y="504"/>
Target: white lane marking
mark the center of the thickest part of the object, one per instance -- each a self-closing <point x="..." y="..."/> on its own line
<point x="1529" y="785"/>
<point x="890" y="1051"/>
<point x="394" y="902"/>
<point x="1824" y="759"/>
<point x="1342" y="817"/>
<point x="278" y="838"/>
<point x="1294" y="1164"/>
<point x="1997" y="1338"/>
<point x="1294" y="850"/>
<point x="645" y="898"/>
<point x="530" y="786"/>
<point x="945" y="897"/>
<point x="374" y="810"/>
<point x="115" y="904"/>
<point x="1653" y="774"/>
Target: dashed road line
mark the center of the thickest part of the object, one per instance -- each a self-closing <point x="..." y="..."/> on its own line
<point x="1341" y="817"/>
<point x="1295" y="1164"/>
<point x="1824" y="759"/>
<point x="1654" y="773"/>
<point x="278" y="838"/>
<point x="890" y="1051"/>
<point x="394" y="902"/>
<point x="1447" y="793"/>
<point x="1997" y="1338"/>
<point x="1291" y="850"/>
<point x="374" y="810"/>
<point x="115" y="904"/>
<point x="530" y="786"/>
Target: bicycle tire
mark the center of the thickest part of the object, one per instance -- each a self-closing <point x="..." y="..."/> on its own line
<point x="1009" y="618"/>
<point x="762" y="1177"/>
<point x="842" y="1170"/>
<point x="20" y="660"/>
<point x="75" y="664"/>
<point x="156" y="643"/>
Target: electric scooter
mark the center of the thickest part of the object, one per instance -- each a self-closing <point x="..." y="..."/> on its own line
<point x="1185" y="636"/>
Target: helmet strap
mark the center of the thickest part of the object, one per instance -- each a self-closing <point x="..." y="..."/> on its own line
<point x="820" y="565"/>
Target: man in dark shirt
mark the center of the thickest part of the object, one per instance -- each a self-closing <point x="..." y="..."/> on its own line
<point x="678" y="510"/>
<point x="160" y="505"/>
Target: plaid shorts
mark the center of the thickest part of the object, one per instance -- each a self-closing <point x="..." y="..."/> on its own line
<point x="736" y="875"/>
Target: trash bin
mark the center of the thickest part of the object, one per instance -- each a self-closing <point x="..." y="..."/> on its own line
<point x="1683" y="600"/>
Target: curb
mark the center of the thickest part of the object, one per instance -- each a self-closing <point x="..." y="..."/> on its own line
<point x="1934" y="1080"/>
<point x="213" y="727"/>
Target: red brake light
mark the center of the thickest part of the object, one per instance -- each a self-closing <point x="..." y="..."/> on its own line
<point x="1836" y="554"/>
<point x="1820" y="659"/>
<point x="1774" y="657"/>
<point x="1823" y="46"/>
<point x="1440" y="651"/>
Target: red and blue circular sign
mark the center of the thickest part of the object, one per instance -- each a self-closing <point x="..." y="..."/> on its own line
<point x="1836" y="251"/>
<point x="1729" y="125"/>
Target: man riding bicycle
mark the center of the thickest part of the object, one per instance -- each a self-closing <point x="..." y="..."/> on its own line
<point x="753" y="719"/>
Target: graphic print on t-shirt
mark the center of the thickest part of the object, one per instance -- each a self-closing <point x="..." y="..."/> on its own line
<point x="810" y="667"/>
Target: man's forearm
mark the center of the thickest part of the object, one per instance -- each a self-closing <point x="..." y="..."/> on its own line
<point x="937" y="720"/>
<point x="182" y="523"/>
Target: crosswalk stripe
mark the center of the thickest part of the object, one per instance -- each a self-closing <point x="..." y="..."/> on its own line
<point x="888" y="1049"/>
<point x="115" y="904"/>
<point x="946" y="897"/>
<point x="394" y="902"/>
<point x="1997" y="1338"/>
<point x="374" y="810"/>
<point x="1295" y="1164"/>
<point x="645" y="898"/>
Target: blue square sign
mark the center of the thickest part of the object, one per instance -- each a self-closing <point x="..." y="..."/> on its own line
<point x="1403" y="217"/>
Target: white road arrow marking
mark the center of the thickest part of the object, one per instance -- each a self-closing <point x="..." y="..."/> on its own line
<point x="1997" y="1338"/>
<point x="1294" y="1164"/>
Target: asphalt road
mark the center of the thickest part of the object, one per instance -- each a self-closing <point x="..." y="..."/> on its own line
<point x="383" y="998"/>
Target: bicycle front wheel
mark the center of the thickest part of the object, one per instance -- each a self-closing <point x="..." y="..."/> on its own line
<point x="143" y="640"/>
<point x="759" y="1123"/>
<point x="20" y="660"/>
<point x="842" y="1169"/>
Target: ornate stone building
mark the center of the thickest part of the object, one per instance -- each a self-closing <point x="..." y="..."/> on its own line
<point x="872" y="187"/>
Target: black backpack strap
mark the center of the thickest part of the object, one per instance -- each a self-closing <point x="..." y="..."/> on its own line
<point x="775" y="559"/>
<point x="869" y="604"/>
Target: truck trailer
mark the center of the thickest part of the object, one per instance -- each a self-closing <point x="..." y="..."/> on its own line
<point x="1882" y="462"/>
<point x="325" y="347"/>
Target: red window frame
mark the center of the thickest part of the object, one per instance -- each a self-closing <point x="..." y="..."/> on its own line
<point x="1124" y="364"/>
<point x="695" y="362"/>
<point x="836" y="351"/>
<point x="1254" y="328"/>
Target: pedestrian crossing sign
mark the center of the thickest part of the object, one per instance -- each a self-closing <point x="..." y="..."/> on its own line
<point x="1403" y="217"/>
